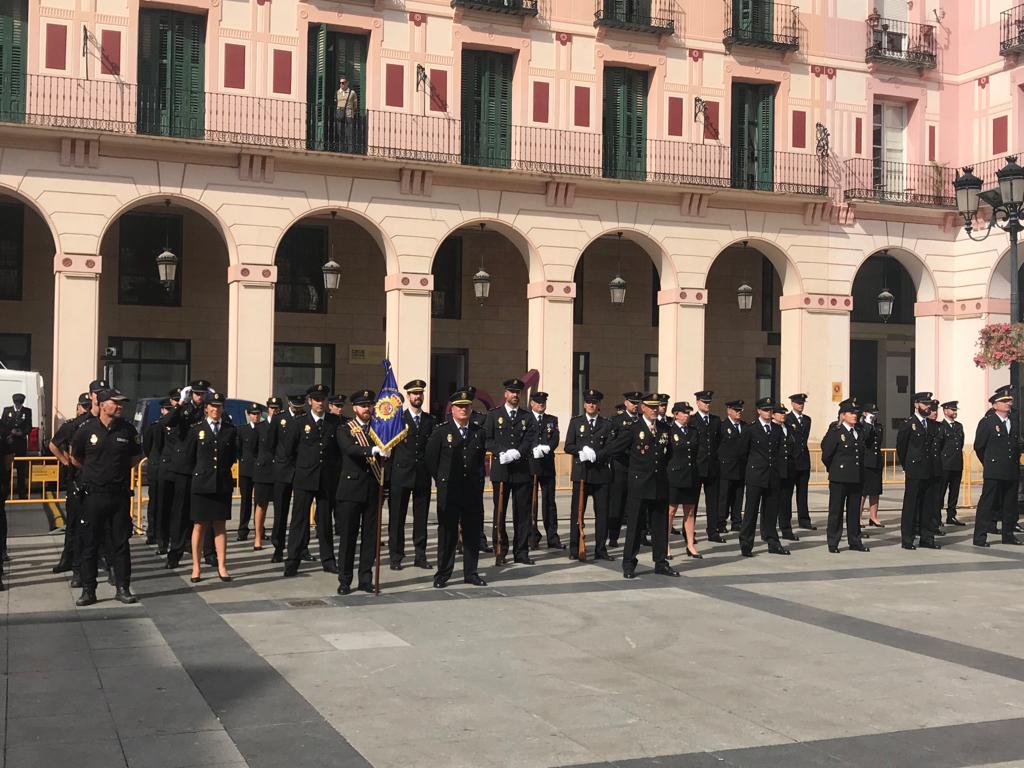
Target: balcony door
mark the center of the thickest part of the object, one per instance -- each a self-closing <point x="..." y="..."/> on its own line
<point x="172" y="63"/>
<point x="13" y="46"/>
<point x="753" y="135"/>
<point x="487" y="108"/>
<point x="888" y="133"/>
<point x="625" y="123"/>
<point x="336" y="119"/>
<point x="752" y="19"/>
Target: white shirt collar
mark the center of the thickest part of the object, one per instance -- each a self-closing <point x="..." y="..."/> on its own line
<point x="510" y="410"/>
<point x="762" y="422"/>
<point x="316" y="419"/>
<point x="650" y="424"/>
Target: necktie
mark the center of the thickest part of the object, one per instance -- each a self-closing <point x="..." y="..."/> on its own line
<point x="216" y="427"/>
<point x="592" y="423"/>
<point x="416" y="420"/>
<point x="1006" y="423"/>
<point x="462" y="432"/>
<point x="767" y="429"/>
<point x="738" y="428"/>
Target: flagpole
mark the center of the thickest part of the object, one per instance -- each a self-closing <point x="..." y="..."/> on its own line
<point x="380" y="518"/>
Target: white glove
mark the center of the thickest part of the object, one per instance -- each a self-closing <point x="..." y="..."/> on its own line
<point x="538" y="453"/>
<point x="376" y="451"/>
<point x="587" y="451"/>
<point x="544" y="449"/>
<point x="504" y="458"/>
<point x="516" y="456"/>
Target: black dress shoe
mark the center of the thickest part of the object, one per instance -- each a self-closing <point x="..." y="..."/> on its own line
<point x="368" y="588"/>
<point x="859" y="548"/>
<point x="344" y="589"/>
<point x="981" y="544"/>
<point x="88" y="597"/>
<point x="908" y="546"/>
<point x="665" y="570"/>
<point x="227" y="578"/>
<point x="277" y="557"/>
<point x="954" y="521"/>
<point x="487" y="548"/>
<point x="939" y="532"/>
<point x="1011" y="540"/>
<point x="574" y="556"/>
<point x="439" y="583"/>
<point x="172" y="562"/>
<point x="523" y="560"/>
<point x="834" y="550"/>
<point x="873" y="524"/>
<point x="291" y="569"/>
<point x="747" y="552"/>
<point x="161" y="550"/>
<point x="604" y="556"/>
<point x="330" y="567"/>
<point x="929" y="545"/>
<point x="124" y="595"/>
<point x="476" y="580"/>
<point x="195" y="579"/>
<point x="62" y="566"/>
<point x="242" y="534"/>
<point x="76" y="581"/>
<point x="395" y="566"/>
<point x="790" y="536"/>
<point x="613" y="543"/>
<point x="808" y="526"/>
<point x="556" y="544"/>
<point x="307" y="556"/>
<point x="422" y="562"/>
<point x="777" y="549"/>
<point x="628" y="575"/>
<point x="716" y="537"/>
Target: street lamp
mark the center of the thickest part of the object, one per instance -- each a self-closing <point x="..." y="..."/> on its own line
<point x="481" y="283"/>
<point x="617" y="286"/>
<point x="745" y="297"/>
<point x="332" y="275"/>
<point x="885" y="302"/>
<point x="1006" y="202"/>
<point x="167" y="261"/>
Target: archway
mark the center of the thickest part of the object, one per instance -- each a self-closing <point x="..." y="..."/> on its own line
<point x="155" y="334"/>
<point x="329" y="337"/>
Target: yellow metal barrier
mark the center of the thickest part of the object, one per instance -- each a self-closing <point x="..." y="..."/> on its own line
<point x="43" y="480"/>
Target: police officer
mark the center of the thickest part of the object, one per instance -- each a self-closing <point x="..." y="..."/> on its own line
<point x="842" y="453"/>
<point x="874" y="462"/>
<point x="248" y="450"/>
<point x="785" y="468"/>
<point x="628" y="415"/>
<point x="505" y="430"/>
<point x="187" y="414"/>
<point x="758" y="444"/>
<point x="935" y="485"/>
<point x="683" y="480"/>
<point x="732" y="463"/>
<point x="409" y="477"/>
<point x="357" y="494"/>
<point x="454" y="456"/>
<point x="17" y="421"/>
<point x="647" y="448"/>
<point x="106" y="449"/>
<point x="336" y="407"/>
<point x="542" y="439"/>
<point x="952" y="461"/>
<point x="799" y="425"/>
<point x="60" y="445"/>
<point x="170" y="484"/>
<point x="997" y="446"/>
<point x="263" y="474"/>
<point x="284" y="471"/>
<point x="313" y="442"/>
<point x="152" y="446"/>
<point x="708" y="428"/>
<point x="587" y="442"/>
<point x="913" y="451"/>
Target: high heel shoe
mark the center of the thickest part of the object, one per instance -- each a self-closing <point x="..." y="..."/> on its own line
<point x="257" y="548"/>
<point x="694" y="555"/>
<point x="873" y="524"/>
<point x="195" y="579"/>
<point x="225" y="578"/>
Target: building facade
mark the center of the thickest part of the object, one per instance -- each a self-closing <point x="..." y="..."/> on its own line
<point x="757" y="173"/>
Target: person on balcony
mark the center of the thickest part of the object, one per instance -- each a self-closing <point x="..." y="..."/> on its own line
<point x="346" y="114"/>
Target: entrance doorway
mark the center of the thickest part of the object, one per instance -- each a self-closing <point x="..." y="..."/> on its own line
<point x="448" y="371"/>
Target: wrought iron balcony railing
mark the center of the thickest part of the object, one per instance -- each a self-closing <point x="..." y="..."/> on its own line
<point x="762" y="24"/>
<point x="900" y="183"/>
<point x="652" y="16"/>
<point x="900" y="43"/>
<point x="512" y="7"/>
<point x="1011" y="31"/>
<point x="119" y="108"/>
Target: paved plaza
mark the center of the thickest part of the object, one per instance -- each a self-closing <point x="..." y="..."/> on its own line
<point x="890" y="658"/>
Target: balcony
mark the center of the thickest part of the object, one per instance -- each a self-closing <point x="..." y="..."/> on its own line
<point x="900" y="43"/>
<point x="762" y="24"/>
<point x="1011" y="31"/>
<point x="511" y="7"/>
<point x="634" y="16"/>
<point x="899" y="183"/>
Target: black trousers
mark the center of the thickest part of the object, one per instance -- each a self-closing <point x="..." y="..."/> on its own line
<point x="731" y="504"/>
<point x="356" y="520"/>
<point x="520" y="494"/>
<point x="844" y="498"/>
<point x="710" y="488"/>
<point x="153" y="507"/>
<point x="784" y="504"/>
<point x="638" y="511"/>
<point x="599" y="493"/>
<point x="106" y="521"/>
<point x="950" y="493"/>
<point x="282" y="501"/>
<point x="998" y="502"/>
<point x="760" y="500"/>
<point x="617" y="502"/>
<point x="298" y="529"/>
<point x="398" y="511"/>
<point x="179" y="536"/>
<point x="915" y="514"/>
<point x="245" y="488"/>
<point x="547" y="513"/>
<point x="72" y="511"/>
<point x="800" y="481"/>
<point x="449" y="518"/>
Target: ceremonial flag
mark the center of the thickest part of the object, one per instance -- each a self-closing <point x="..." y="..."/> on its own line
<point x="387" y="427"/>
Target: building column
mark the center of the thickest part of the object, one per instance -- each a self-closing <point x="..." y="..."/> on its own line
<point x="681" y="341"/>
<point x="251" y="331"/>
<point x="815" y="354"/>
<point x="407" y="327"/>
<point x="76" y="327"/>
<point x="549" y="342"/>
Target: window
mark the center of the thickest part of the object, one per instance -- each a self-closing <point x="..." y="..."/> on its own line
<point x="300" y="277"/>
<point x="147" y="367"/>
<point x="13" y="49"/>
<point x="764" y="373"/>
<point x="577" y="304"/>
<point x="446" y="301"/>
<point x="298" y="366"/>
<point x="753" y="136"/>
<point x="16" y="351"/>
<point x="625" y="124"/>
<point x="769" y="300"/>
<point x="887" y="130"/>
<point x="650" y="373"/>
<point x="580" y="380"/>
<point x="172" y="64"/>
<point x="11" y="251"/>
<point x="143" y="236"/>
<point x="487" y="108"/>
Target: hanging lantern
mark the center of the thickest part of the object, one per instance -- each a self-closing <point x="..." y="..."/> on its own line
<point x="167" y="267"/>
<point x="885" y="302"/>
<point x="481" y="284"/>
<point x="745" y="297"/>
<point x="617" y="288"/>
<point x="332" y="275"/>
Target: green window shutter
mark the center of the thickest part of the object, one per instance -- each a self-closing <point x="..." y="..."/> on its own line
<point x="625" y="123"/>
<point x="172" y="63"/>
<point x="613" y="127"/>
<point x="765" y="136"/>
<point x="13" y="53"/>
<point x="742" y="17"/>
<point x="316" y="87"/>
<point x="499" y="118"/>
<point x="487" y="109"/>
<point x="472" y="87"/>
<point x="636" y="124"/>
<point x="153" y="107"/>
<point x="741" y="150"/>
<point x="194" y="65"/>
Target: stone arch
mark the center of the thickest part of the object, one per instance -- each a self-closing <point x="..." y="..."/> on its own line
<point x="920" y="274"/>
<point x="522" y="242"/>
<point x="785" y="267"/>
<point x="998" y="285"/>
<point x="371" y="226"/>
<point x="42" y="213"/>
<point x="649" y="245"/>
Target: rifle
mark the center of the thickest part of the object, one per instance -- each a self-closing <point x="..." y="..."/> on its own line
<point x="533" y="507"/>
<point x="499" y="518"/>
<point x="582" y="550"/>
<point x="376" y="561"/>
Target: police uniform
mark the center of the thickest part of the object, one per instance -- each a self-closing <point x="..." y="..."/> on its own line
<point x="731" y="464"/>
<point x="263" y="473"/>
<point x="785" y="468"/>
<point x="248" y="449"/>
<point x="952" y="463"/>
<point x="591" y="475"/>
<point x="284" y="471"/>
<point x="152" y="447"/>
<point x="357" y="496"/>
<point x="409" y="478"/>
<point x="70" y="558"/>
<point x="708" y="428"/>
<point x="842" y="452"/>
<point x="935" y="485"/>
<point x="17" y="421"/>
<point x="313" y="442"/>
<point x="758" y="444"/>
<point x="997" y="447"/>
<point x="874" y="458"/>
<point x="799" y="425"/>
<point x="505" y="431"/>
<point x="211" y="449"/>
<point x="682" y="468"/>
<point x="913" y="451"/>
<point x="106" y="454"/>
<point x="169" y="481"/>
<point x="620" y="475"/>
<point x="541" y="441"/>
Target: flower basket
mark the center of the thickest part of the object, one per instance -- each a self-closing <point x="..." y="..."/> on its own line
<point x="999" y="345"/>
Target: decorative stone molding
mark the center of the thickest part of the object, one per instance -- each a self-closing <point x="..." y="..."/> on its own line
<point x="687" y="296"/>
<point x="80" y="153"/>
<point x="78" y="263"/>
<point x="550" y="289"/>
<point x="560" y="194"/>
<point x="409" y="282"/>
<point x="415" y="181"/>
<point x="252" y="273"/>
<point x="818" y="213"/>
<point x="694" y="204"/>
<point x="818" y="302"/>
<point x="962" y="308"/>
<point x="259" y="168"/>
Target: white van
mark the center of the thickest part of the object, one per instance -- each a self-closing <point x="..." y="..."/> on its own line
<point x="30" y="384"/>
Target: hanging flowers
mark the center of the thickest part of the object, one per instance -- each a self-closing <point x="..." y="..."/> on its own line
<point x="1000" y="344"/>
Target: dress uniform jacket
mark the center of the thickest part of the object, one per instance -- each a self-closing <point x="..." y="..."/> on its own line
<point x="682" y="467"/>
<point x="180" y="420"/>
<point x="800" y="431"/>
<point x="356" y="480"/>
<point x="998" y="452"/>
<point x="580" y="434"/>
<point x="913" y="449"/>
<point x="708" y="438"/>
<point x="785" y="463"/>
<point x="542" y="431"/>
<point x="212" y="457"/>
<point x="648" y="452"/>
<point x="315" y="450"/>
<point x="17" y="423"/>
<point x="284" y="456"/>
<point x="407" y="457"/>
<point x="172" y="438"/>
<point x="762" y="453"/>
<point x="457" y="465"/>
<point x="843" y="454"/>
<point x="152" y="446"/>
<point x="874" y="439"/>
<point x="952" y="446"/>
<point x="263" y="468"/>
<point x="504" y="434"/>
<point x="732" y="448"/>
<point x="248" y="448"/>
<point x="936" y="445"/>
